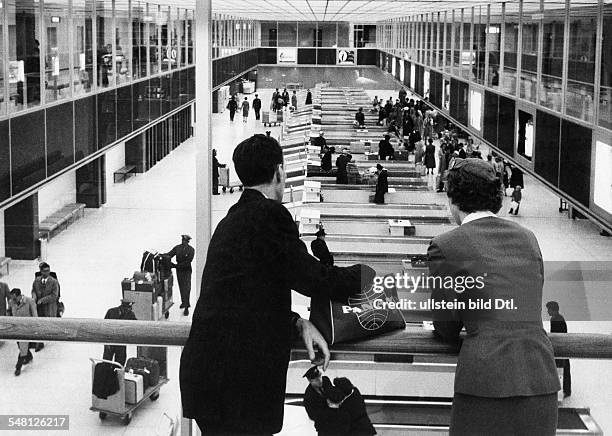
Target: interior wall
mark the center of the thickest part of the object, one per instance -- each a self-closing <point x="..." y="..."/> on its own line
<point x="115" y="159"/>
<point x="56" y="194"/>
<point x="360" y="77"/>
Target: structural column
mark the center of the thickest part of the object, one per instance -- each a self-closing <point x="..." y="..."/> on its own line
<point x="21" y="229"/>
<point x="202" y="136"/>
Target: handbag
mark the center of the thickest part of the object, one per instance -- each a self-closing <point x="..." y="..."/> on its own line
<point x="359" y="316"/>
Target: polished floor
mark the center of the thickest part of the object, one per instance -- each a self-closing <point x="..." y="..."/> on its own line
<point x="152" y="210"/>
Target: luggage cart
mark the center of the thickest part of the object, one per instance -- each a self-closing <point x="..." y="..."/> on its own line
<point x="115" y="404"/>
<point x="224" y="181"/>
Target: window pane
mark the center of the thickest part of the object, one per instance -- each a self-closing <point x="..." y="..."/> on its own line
<point x="467" y="54"/>
<point x="605" y="93"/>
<point x="581" y="60"/>
<point x="190" y="31"/>
<point x="479" y="44"/>
<point x="57" y="53"/>
<point x="123" y="43"/>
<point x="177" y="36"/>
<point x="154" y="16"/>
<point x="82" y="25"/>
<point x="307" y="35"/>
<point x="165" y="37"/>
<point x="494" y="44"/>
<point x="457" y="41"/>
<point x="139" y="40"/>
<point x="327" y="32"/>
<point x="552" y="55"/>
<point x="448" y="58"/>
<point x="24" y="54"/>
<point x="529" y="58"/>
<point x="104" y="23"/>
<point x="268" y="34"/>
<point x="287" y="34"/>
<point x="510" y="48"/>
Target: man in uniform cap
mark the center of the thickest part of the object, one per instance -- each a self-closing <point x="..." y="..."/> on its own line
<point x="315" y="401"/>
<point x="320" y="251"/>
<point x="184" y="256"/>
<point x="118" y="353"/>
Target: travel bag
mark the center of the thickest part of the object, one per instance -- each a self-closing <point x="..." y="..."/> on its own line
<point x="134" y="388"/>
<point x="144" y="363"/>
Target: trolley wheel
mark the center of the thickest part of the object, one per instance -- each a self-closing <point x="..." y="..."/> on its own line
<point x="155" y="396"/>
<point x="224" y="189"/>
<point x="231" y="190"/>
<point x="167" y="315"/>
<point x="102" y="415"/>
<point x="127" y="419"/>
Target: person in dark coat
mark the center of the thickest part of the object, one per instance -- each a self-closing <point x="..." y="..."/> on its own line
<point x="257" y="107"/>
<point x="360" y="118"/>
<point x="341" y="163"/>
<point x="308" y="97"/>
<point x="516" y="178"/>
<point x="506" y="380"/>
<point x="215" y="172"/>
<point x="354" y="405"/>
<point x="558" y="325"/>
<point x="319" y="249"/>
<point x="45" y="293"/>
<point x="382" y="115"/>
<point x="430" y="156"/>
<point x="4" y="297"/>
<point x="294" y="101"/>
<point x="320" y="142"/>
<point x="233" y="368"/>
<point x="232" y="105"/>
<point x="275" y="96"/>
<point x="326" y="159"/>
<point x="285" y="97"/>
<point x="402" y="95"/>
<point x="184" y="254"/>
<point x="118" y="353"/>
<point x="334" y="421"/>
<point x="385" y="149"/>
<point x="382" y="185"/>
<point x="315" y="402"/>
<point x="516" y="200"/>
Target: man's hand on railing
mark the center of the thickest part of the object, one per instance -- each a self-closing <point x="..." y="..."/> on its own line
<point x="313" y="339"/>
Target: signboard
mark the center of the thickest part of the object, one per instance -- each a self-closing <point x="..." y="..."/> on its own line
<point x="286" y="55"/>
<point x="345" y="57"/>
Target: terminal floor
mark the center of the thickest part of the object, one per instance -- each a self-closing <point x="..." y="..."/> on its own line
<point x="150" y="211"/>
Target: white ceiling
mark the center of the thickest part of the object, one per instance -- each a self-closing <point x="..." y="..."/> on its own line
<point x="334" y="10"/>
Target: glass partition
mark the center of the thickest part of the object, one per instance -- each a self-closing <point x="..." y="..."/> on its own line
<point x="153" y="18"/>
<point x="123" y="41"/>
<point x="448" y="38"/>
<point x="511" y="29"/>
<point x="269" y="34"/>
<point x="579" y="95"/>
<point x="24" y="51"/>
<point x="369" y="35"/>
<point x="57" y="50"/>
<point x="479" y="44"/>
<point x="164" y="24"/>
<point x="529" y="45"/>
<point x="287" y="34"/>
<point x="327" y="35"/>
<point x="467" y="52"/>
<point x="307" y="35"/>
<point x="457" y="16"/>
<point x="139" y="39"/>
<point x="104" y="53"/>
<point x="605" y="92"/>
<point x="493" y="43"/>
<point x="552" y="55"/>
<point x="82" y="38"/>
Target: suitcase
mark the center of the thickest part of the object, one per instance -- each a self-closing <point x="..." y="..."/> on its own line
<point x="144" y="363"/>
<point x="224" y="177"/>
<point x="146" y="377"/>
<point x="134" y="388"/>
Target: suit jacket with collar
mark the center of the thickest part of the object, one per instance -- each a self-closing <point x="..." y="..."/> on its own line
<point x="46" y="296"/>
<point x="234" y="366"/>
<point x="506" y="352"/>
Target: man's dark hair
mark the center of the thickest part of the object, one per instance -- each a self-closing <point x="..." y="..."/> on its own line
<point x="553" y="305"/>
<point x="334" y="394"/>
<point x="43" y="265"/>
<point x="472" y="193"/>
<point x="16" y="292"/>
<point x="255" y="159"/>
<point x="344" y="384"/>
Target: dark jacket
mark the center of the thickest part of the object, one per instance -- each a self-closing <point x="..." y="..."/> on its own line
<point x="320" y="251"/>
<point x="320" y="142"/>
<point x="46" y="296"/>
<point x="308" y="98"/>
<point x="326" y="161"/>
<point x="184" y="256"/>
<point x="382" y="187"/>
<point x="360" y="118"/>
<point x="385" y="149"/>
<point x="232" y="105"/>
<point x="341" y="162"/>
<point x="234" y="365"/>
<point x="516" y="178"/>
<point x="4" y="298"/>
<point x="256" y="104"/>
<point x="517" y="196"/>
<point x="315" y="403"/>
<point x="558" y="324"/>
<point x="506" y="353"/>
<point x="356" y="409"/>
<point x="120" y="313"/>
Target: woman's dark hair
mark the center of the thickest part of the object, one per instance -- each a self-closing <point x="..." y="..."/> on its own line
<point x="256" y="158"/>
<point x="472" y="193"/>
<point x="16" y="292"/>
<point x="344" y="384"/>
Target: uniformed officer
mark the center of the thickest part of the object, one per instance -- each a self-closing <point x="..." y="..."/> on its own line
<point x="315" y="401"/>
<point x="319" y="249"/>
<point x="118" y="353"/>
<point x="184" y="256"/>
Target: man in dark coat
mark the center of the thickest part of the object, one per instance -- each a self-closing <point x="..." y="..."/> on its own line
<point x="382" y="185"/>
<point x="385" y="149"/>
<point x="215" y="172"/>
<point x="4" y="297"/>
<point x="257" y="106"/>
<point x="354" y="405"/>
<point x="341" y="162"/>
<point x="45" y="293"/>
<point x="232" y="105"/>
<point x="315" y="402"/>
<point x="184" y="256"/>
<point x="319" y="249"/>
<point x="234" y="365"/>
<point x="308" y="97"/>
<point x="360" y="118"/>
<point x="320" y="142"/>
<point x="402" y="95"/>
<point x="118" y="353"/>
<point x="326" y="159"/>
<point x="558" y="325"/>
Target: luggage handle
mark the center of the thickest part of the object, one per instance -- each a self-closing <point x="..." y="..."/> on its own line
<point x="119" y="366"/>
